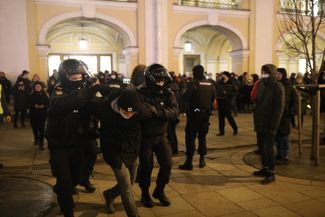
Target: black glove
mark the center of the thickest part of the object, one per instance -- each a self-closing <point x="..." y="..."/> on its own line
<point x="154" y="111"/>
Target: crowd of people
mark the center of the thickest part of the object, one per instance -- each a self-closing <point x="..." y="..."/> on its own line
<point x="136" y="121"/>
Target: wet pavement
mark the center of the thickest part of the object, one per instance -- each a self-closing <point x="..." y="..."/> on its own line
<point x="25" y="197"/>
<point x="225" y="187"/>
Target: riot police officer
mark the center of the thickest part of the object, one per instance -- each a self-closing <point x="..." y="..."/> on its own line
<point x="67" y="128"/>
<point x="200" y="96"/>
<point x="162" y="106"/>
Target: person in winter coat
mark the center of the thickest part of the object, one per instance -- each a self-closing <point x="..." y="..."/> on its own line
<point x="162" y="106"/>
<point x="120" y="138"/>
<point x="52" y="81"/>
<point x="225" y="92"/>
<point x="268" y="111"/>
<point x="20" y="102"/>
<point x="6" y="86"/>
<point x="282" y="138"/>
<point x="137" y="76"/>
<point x="24" y="76"/>
<point x="38" y="104"/>
<point x="4" y="111"/>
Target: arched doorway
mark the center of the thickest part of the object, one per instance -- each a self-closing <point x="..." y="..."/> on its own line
<point x="104" y="44"/>
<point x="112" y="45"/>
<point x="218" y="48"/>
<point x="293" y="62"/>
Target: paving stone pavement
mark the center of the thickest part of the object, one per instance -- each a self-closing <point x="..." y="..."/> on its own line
<point x="225" y="187"/>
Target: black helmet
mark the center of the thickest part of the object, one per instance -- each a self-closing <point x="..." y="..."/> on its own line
<point x="155" y="73"/>
<point x="71" y="67"/>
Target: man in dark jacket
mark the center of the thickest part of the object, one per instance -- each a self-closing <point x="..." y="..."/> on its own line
<point x="290" y="109"/>
<point x="20" y="101"/>
<point x="66" y="131"/>
<point x="162" y="106"/>
<point x="226" y="90"/>
<point x="269" y="107"/>
<point x="120" y="140"/>
<point x="6" y="86"/>
<point x="200" y="96"/>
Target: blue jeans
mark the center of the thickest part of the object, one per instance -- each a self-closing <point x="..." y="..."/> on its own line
<point x="283" y="146"/>
<point x="125" y="178"/>
<point x="266" y="144"/>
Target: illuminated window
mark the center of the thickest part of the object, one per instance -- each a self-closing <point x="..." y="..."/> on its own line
<point x="303" y="65"/>
<point x="105" y="63"/>
<point x="54" y="62"/>
<point x="95" y="63"/>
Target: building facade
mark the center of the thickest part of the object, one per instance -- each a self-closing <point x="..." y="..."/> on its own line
<point x="233" y="35"/>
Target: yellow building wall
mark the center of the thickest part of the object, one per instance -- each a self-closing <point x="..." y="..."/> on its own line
<point x="251" y="39"/>
<point x="32" y="38"/>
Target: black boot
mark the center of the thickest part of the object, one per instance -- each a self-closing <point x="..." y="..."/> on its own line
<point x="202" y="162"/>
<point x="270" y="177"/>
<point x="159" y="194"/>
<point x="221" y="134"/>
<point x="90" y="188"/>
<point x="146" y="199"/>
<point x="109" y="200"/>
<point x="68" y="213"/>
<point x="260" y="173"/>
<point x="187" y="165"/>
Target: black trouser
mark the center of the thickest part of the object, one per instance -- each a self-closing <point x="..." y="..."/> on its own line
<point x="67" y="166"/>
<point x="266" y="144"/>
<point x="22" y="113"/>
<point x="91" y="151"/>
<point x="197" y="124"/>
<point x="159" y="146"/>
<point x="38" y="126"/>
<point x="171" y="135"/>
<point x="225" y="112"/>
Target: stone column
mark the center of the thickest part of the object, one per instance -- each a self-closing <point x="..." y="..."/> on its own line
<point x="156" y="31"/>
<point x="264" y="27"/>
<point x="151" y="45"/>
<point x="178" y="59"/>
<point x="239" y="61"/>
<point x="42" y="58"/>
<point x="131" y="59"/>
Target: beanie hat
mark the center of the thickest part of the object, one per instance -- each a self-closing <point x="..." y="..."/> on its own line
<point x="198" y="72"/>
<point x="129" y="100"/>
<point x="283" y="71"/>
<point x="226" y="73"/>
